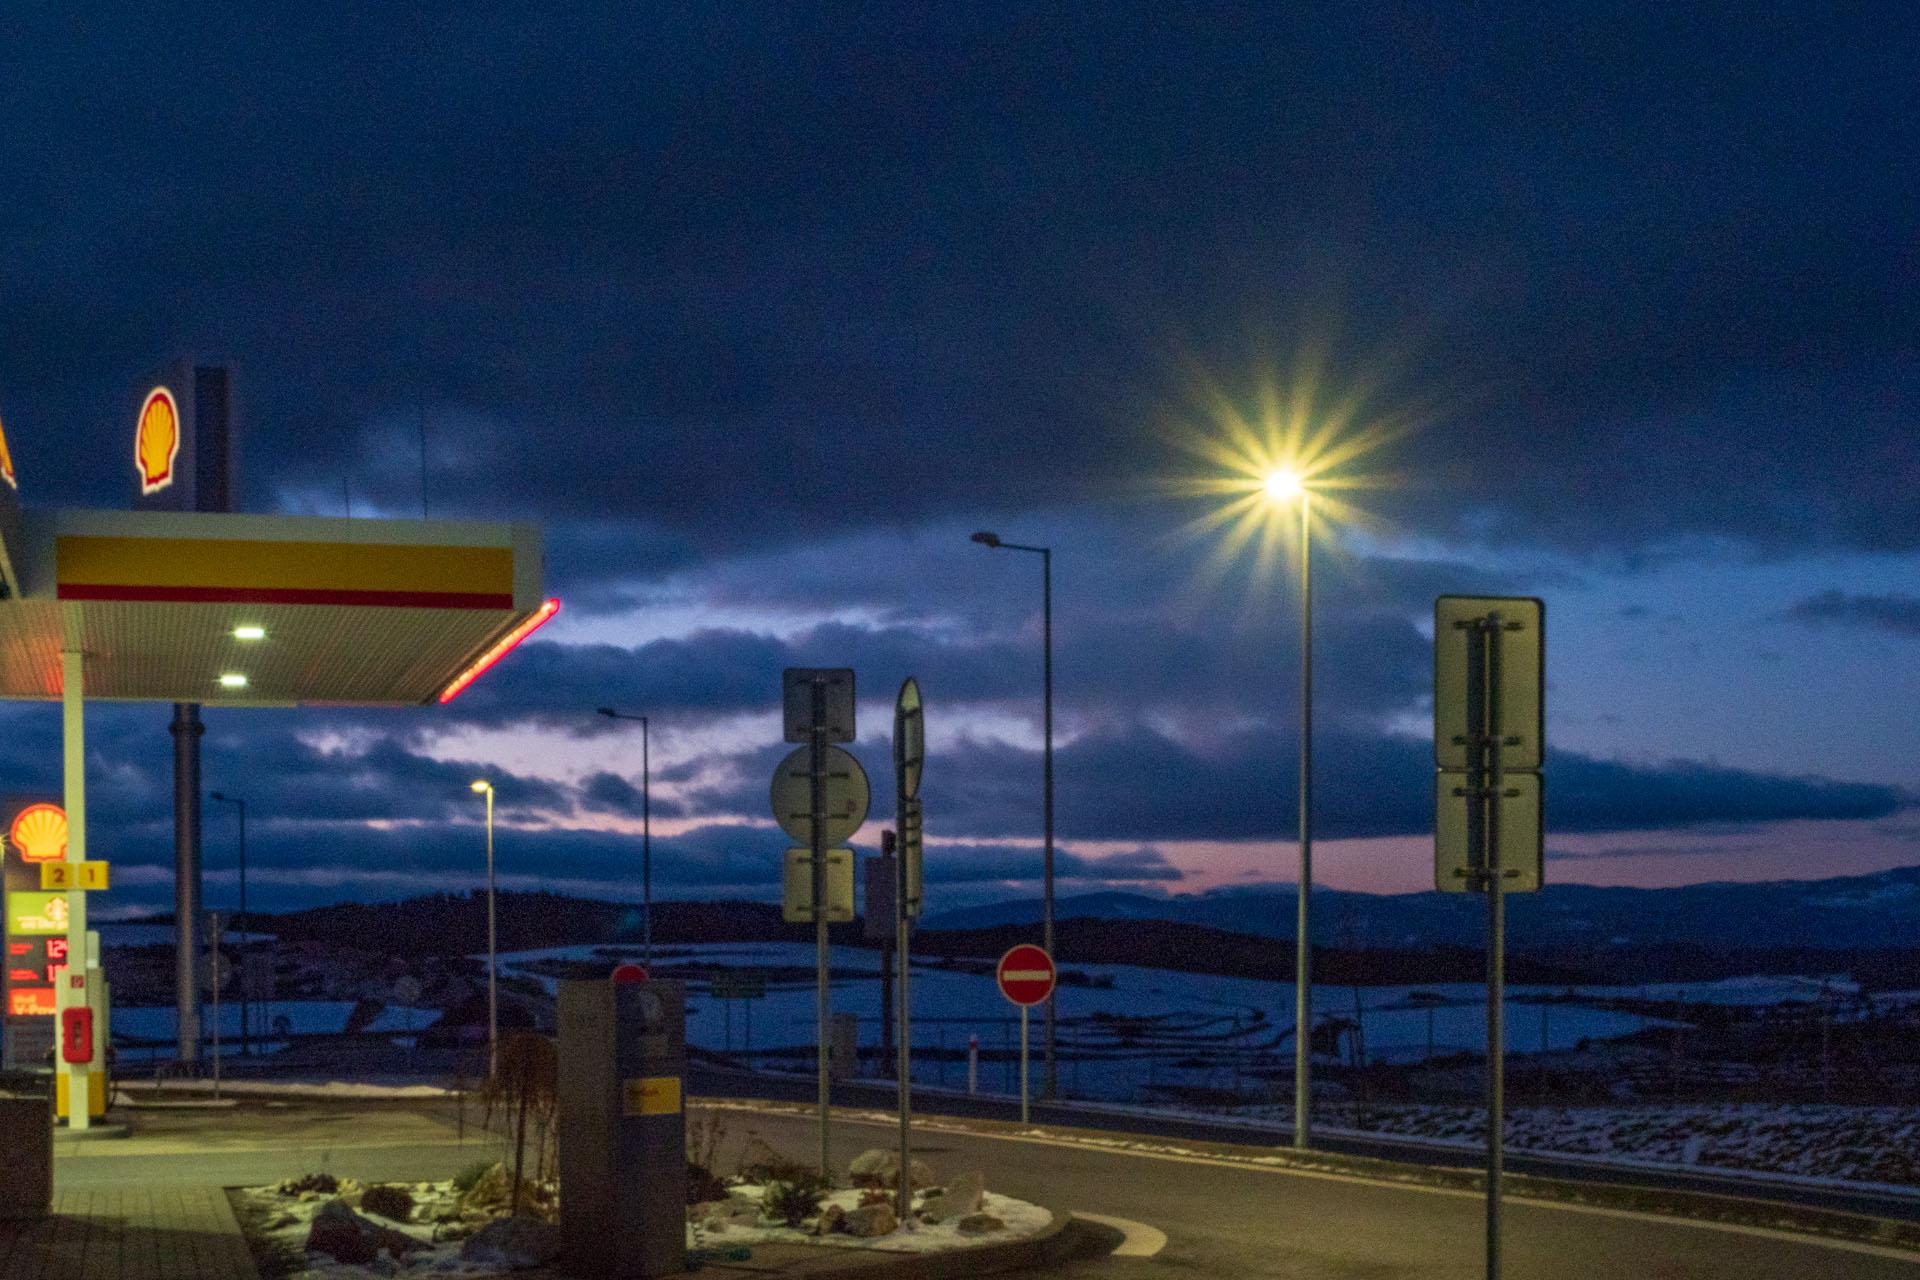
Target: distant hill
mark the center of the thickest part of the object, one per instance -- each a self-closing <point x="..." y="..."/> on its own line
<point x="1865" y="925"/>
<point x="1867" y="912"/>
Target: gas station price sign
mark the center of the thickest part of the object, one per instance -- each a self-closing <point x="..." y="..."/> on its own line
<point x="36" y="927"/>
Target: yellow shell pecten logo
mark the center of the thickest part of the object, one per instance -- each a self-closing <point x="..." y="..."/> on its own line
<point x="156" y="441"/>
<point x="6" y="462"/>
<point x="39" y="832"/>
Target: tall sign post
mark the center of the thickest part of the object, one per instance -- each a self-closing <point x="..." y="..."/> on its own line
<point x="1489" y="658"/>
<point x="183" y="461"/>
<point x="1026" y="977"/>
<point x="909" y="756"/>
<point x="818" y="709"/>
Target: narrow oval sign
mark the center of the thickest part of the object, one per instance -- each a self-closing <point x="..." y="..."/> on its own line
<point x="1025" y="974"/>
<point x="909" y="738"/>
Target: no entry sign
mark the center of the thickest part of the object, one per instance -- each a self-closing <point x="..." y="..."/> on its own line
<point x="1025" y="974"/>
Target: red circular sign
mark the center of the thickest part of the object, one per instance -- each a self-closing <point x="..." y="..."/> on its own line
<point x="629" y="973"/>
<point x="1025" y="974"/>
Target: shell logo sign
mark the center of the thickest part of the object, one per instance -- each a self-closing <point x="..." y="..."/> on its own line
<point x="6" y="462"/>
<point x="39" y="832"/>
<point x="156" y="440"/>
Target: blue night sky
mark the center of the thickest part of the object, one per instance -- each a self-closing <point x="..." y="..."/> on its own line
<point x="761" y="310"/>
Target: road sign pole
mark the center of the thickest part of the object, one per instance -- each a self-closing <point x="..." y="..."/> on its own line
<point x="1023" y="1064"/>
<point x="909" y="749"/>
<point x="817" y="842"/>
<point x="1484" y="650"/>
<point x="1489" y="728"/>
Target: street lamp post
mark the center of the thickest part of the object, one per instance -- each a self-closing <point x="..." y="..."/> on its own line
<point x="246" y="1044"/>
<point x="646" y="838"/>
<point x="493" y="964"/>
<point x="1282" y="485"/>
<point x="1046" y="640"/>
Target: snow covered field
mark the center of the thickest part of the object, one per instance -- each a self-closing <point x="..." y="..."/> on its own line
<point x="303" y="1017"/>
<point x="1136" y="1028"/>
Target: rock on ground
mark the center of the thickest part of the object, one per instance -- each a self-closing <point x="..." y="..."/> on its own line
<point x="494" y="1187"/>
<point x="979" y="1224"/>
<point x="963" y="1195"/>
<point x="513" y="1243"/>
<point x="346" y="1236"/>
<point x="878" y="1166"/>
<point x="870" y="1220"/>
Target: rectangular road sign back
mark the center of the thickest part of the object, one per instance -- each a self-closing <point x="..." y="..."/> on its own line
<point x="1521" y="827"/>
<point x="1522" y="671"/>
<point x="796" y="898"/>
<point x="796" y="694"/>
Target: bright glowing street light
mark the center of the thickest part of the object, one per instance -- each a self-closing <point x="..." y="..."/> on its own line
<point x="1303" y="441"/>
<point x="493" y="963"/>
<point x="1284" y="485"/>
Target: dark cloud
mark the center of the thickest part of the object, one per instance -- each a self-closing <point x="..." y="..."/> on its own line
<point x="1140" y="784"/>
<point x="1897" y="614"/>
<point x="746" y="275"/>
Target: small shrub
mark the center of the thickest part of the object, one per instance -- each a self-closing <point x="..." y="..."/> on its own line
<point x="465" y="1180"/>
<point x="388" y="1201"/>
<point x="793" y="1202"/>
<point x="703" y="1185"/>
<point x="704" y="1135"/>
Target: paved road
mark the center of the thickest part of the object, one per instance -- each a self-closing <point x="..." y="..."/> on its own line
<point x="1236" y="1220"/>
<point x="707" y="1081"/>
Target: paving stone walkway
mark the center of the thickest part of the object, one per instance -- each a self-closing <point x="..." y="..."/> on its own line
<point x="157" y="1233"/>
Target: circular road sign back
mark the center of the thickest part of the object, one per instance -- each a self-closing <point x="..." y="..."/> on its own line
<point x="844" y="794"/>
<point x="1025" y="974"/>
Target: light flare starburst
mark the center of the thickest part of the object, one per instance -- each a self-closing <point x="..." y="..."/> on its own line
<point x="1260" y="456"/>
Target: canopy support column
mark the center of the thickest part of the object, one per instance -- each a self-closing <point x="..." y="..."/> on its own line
<point x="72" y="700"/>
<point x="186" y="730"/>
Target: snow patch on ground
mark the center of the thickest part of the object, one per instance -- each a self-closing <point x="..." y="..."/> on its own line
<point x="287" y="1220"/>
<point x="1022" y="1220"/>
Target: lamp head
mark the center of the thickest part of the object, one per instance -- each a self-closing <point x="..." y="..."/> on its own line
<point x="215" y="795"/>
<point x="1283" y="483"/>
<point x="482" y="786"/>
<point x="987" y="539"/>
<point x="609" y="713"/>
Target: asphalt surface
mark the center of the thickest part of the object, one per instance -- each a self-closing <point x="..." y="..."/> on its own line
<point x="1236" y="1220"/>
<point x="257" y="1142"/>
<point x="710" y="1081"/>
<point x="1220" y="1215"/>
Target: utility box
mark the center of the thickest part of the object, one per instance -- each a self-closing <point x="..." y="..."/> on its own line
<point x="26" y="1135"/>
<point x="843" y="1046"/>
<point x="623" y="1128"/>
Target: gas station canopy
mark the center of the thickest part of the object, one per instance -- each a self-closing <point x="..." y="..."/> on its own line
<point x="251" y="610"/>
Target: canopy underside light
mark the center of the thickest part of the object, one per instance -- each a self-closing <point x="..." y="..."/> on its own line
<point x="501" y="649"/>
<point x="246" y="610"/>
